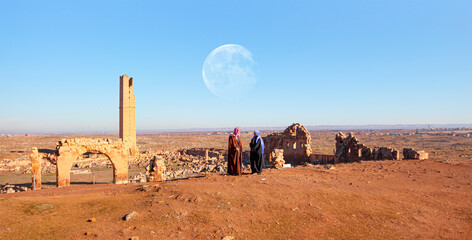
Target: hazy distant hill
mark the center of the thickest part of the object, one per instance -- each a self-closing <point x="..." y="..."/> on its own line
<point x="324" y="127"/>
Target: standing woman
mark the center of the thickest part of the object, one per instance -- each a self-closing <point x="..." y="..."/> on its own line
<point x="235" y="149"/>
<point x="257" y="150"/>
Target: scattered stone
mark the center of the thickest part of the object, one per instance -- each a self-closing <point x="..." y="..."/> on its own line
<point x="79" y="171"/>
<point x="130" y="215"/>
<point x="92" y="220"/>
<point x="148" y="188"/>
<point x="10" y="188"/>
<point x="329" y="167"/>
<point x="139" y="178"/>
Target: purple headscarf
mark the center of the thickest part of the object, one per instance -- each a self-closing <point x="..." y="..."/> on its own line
<point x="259" y="139"/>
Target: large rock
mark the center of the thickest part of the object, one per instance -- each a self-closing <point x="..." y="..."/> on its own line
<point x="130" y="216"/>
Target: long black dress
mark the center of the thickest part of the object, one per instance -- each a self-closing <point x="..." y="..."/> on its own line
<point x="256" y="156"/>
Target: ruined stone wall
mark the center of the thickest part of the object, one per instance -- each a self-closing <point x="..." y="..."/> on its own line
<point x="409" y="153"/>
<point x="348" y="149"/>
<point x="321" y="158"/>
<point x="271" y="142"/>
<point x="295" y="141"/>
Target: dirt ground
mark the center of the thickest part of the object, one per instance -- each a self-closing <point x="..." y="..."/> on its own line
<point x="406" y="199"/>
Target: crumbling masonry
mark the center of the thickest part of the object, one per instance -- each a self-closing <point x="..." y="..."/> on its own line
<point x="118" y="152"/>
<point x="348" y="149"/>
<point x="128" y="113"/>
<point x="68" y="150"/>
<point x="295" y="142"/>
<point x="293" y="147"/>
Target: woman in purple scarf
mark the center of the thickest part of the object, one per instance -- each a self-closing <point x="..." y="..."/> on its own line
<point x="257" y="150"/>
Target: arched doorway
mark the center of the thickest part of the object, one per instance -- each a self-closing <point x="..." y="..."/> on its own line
<point x="92" y="168"/>
<point x="69" y="150"/>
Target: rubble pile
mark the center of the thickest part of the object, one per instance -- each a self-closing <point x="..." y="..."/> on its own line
<point x="10" y="188"/>
<point x="384" y="153"/>
<point x="23" y="163"/>
<point x="183" y="163"/>
<point x="15" y="165"/>
<point x="138" y="178"/>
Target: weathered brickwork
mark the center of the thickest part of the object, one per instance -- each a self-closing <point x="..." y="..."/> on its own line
<point x="128" y="113"/>
<point x="295" y="142"/>
<point x="68" y="150"/>
<point x="118" y="152"/>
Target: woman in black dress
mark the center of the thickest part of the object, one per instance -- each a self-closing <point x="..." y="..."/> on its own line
<point x="257" y="150"/>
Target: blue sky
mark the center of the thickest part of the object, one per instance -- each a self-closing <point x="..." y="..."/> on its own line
<point x="318" y="63"/>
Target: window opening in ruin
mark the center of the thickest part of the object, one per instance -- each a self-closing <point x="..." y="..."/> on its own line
<point x="91" y="167"/>
<point x="294" y="145"/>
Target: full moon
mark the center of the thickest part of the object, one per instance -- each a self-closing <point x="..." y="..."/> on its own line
<point x="228" y="71"/>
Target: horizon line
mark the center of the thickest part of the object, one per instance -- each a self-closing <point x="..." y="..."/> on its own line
<point x="325" y="127"/>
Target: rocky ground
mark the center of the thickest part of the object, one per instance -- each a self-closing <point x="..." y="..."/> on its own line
<point x="427" y="199"/>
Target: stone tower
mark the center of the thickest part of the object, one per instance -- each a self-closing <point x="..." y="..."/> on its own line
<point x="127" y="112"/>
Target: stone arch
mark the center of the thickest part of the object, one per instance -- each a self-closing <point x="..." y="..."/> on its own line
<point x="68" y="150"/>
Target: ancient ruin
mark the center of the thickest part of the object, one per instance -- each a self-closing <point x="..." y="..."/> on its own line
<point x="155" y="170"/>
<point x="68" y="150"/>
<point x="317" y="158"/>
<point x="409" y="153"/>
<point x="128" y="113"/>
<point x="293" y="146"/>
<point x="295" y="142"/>
<point x="277" y="157"/>
<point x="118" y="152"/>
<point x="348" y="149"/>
<point x="35" y="169"/>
